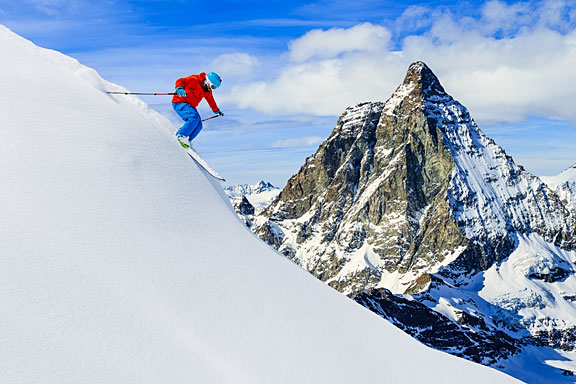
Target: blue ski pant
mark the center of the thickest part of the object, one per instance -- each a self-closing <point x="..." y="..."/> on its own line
<point x="192" y="121"/>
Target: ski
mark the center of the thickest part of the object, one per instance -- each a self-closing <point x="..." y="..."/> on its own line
<point x="202" y="163"/>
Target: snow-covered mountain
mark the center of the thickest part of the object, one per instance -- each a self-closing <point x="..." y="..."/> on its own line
<point x="564" y="185"/>
<point x="249" y="189"/>
<point x="409" y="197"/>
<point x="122" y="261"/>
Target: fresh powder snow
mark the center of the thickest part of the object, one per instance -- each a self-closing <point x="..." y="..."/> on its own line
<point x="121" y="261"/>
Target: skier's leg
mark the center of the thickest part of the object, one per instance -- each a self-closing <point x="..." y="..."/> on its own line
<point x="185" y="130"/>
<point x="196" y="130"/>
<point x="190" y="116"/>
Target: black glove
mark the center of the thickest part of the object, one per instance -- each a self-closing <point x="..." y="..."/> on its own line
<point x="219" y="113"/>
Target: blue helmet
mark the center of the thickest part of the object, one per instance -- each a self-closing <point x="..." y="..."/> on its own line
<point x="213" y="80"/>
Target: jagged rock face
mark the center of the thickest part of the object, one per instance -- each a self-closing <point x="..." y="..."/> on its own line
<point x="402" y="189"/>
<point x="341" y="162"/>
<point x="244" y="209"/>
<point x="469" y="337"/>
<point x="374" y="182"/>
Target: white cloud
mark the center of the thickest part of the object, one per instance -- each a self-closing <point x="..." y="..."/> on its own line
<point x="415" y="18"/>
<point x="239" y="65"/>
<point x="497" y="15"/>
<point x="297" y="142"/>
<point x="333" y="42"/>
<point x="511" y="61"/>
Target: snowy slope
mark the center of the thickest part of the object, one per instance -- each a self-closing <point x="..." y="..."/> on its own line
<point x="122" y="262"/>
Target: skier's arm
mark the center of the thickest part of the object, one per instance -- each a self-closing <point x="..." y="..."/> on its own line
<point x="181" y="83"/>
<point x="212" y="102"/>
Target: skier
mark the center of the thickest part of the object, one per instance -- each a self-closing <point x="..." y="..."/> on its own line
<point x="189" y="93"/>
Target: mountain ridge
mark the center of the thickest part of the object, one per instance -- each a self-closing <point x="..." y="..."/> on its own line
<point x="410" y="196"/>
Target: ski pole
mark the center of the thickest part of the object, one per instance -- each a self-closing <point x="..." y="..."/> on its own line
<point x="153" y="94"/>
<point x="212" y="117"/>
<point x="141" y="93"/>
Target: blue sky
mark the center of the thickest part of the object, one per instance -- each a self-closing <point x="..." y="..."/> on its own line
<point x="290" y="68"/>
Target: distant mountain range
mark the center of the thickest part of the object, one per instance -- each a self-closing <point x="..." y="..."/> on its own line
<point x="262" y="188"/>
<point x="251" y="199"/>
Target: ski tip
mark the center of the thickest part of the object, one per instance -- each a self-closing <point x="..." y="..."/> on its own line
<point x="202" y="163"/>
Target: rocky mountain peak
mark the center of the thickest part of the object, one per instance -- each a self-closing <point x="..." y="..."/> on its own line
<point x="419" y="87"/>
<point x="409" y="186"/>
<point x="264" y="186"/>
<point x="421" y="77"/>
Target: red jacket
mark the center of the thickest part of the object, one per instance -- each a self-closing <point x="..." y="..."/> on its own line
<point x="195" y="92"/>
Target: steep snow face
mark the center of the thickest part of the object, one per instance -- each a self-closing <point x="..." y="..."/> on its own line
<point x="122" y="261"/>
<point x="489" y="194"/>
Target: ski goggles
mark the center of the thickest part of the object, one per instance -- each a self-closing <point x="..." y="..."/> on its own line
<point x="210" y="85"/>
